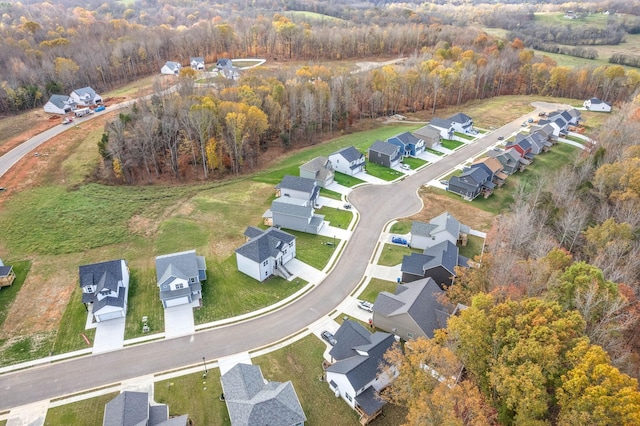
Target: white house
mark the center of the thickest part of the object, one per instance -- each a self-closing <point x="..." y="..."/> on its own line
<point x="299" y="188"/>
<point x="197" y="63"/>
<point x="85" y="97"/>
<point x="179" y="278"/>
<point x="441" y="228"/>
<point x="105" y="288"/>
<point x="170" y="68"/>
<point x="348" y="160"/>
<point x="59" y="104"/>
<point x="595" y="104"/>
<point x="265" y="253"/>
<point x="354" y="376"/>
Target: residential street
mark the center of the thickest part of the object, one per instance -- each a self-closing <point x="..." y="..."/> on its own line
<point x="376" y="204"/>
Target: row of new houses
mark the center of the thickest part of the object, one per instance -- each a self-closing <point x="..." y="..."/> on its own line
<point x="485" y="174"/>
<point x="224" y="67"/>
<point x="79" y="98"/>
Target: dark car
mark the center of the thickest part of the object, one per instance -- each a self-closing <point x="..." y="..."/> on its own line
<point x="399" y="240"/>
<point x="500" y="138"/>
<point x="329" y="337"/>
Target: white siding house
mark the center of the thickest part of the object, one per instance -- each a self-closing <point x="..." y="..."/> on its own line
<point x="265" y="253"/>
<point x="348" y="160"/>
<point x="595" y="104"/>
<point x="59" y="104"/>
<point x="105" y="288"/>
<point x="85" y="97"/>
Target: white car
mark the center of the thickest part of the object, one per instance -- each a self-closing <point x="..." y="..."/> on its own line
<point x="405" y="166"/>
<point x="367" y="306"/>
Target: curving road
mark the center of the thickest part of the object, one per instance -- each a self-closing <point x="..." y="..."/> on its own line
<point x="377" y="205"/>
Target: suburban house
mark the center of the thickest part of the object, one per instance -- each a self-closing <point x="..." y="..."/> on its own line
<point x="409" y="144"/>
<point x="7" y="276"/>
<point x="385" y="153"/>
<point x="133" y="409"/>
<point x="85" y="97"/>
<point x="459" y="122"/>
<point x="472" y="182"/>
<point x="265" y="253"/>
<point x="523" y="146"/>
<point x="354" y="374"/>
<point x="437" y="262"/>
<point x="59" y="104"/>
<point x="197" y="63"/>
<point x="441" y="228"/>
<point x="413" y="311"/>
<point x="547" y="131"/>
<point x="295" y="214"/>
<point x="226" y="68"/>
<point x="171" y="68"/>
<point x="595" y="104"/>
<point x="348" y="160"/>
<point x="509" y="159"/>
<point x="576" y="116"/>
<point x="537" y="139"/>
<point x="429" y="134"/>
<point x="443" y="126"/>
<point x="299" y="188"/>
<point x="318" y="169"/>
<point x="179" y="277"/>
<point x="253" y="401"/>
<point x="105" y="287"/>
<point x="492" y="167"/>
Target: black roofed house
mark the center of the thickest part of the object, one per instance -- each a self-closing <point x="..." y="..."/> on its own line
<point x="197" y="63"/>
<point x="354" y="376"/>
<point x="437" y="262"/>
<point x="384" y="153"/>
<point x="444" y="126"/>
<point x="59" y="104"/>
<point x="429" y="134"/>
<point x="462" y="123"/>
<point x="105" y="289"/>
<point x="318" y="169"/>
<point x="179" y="277"/>
<point x="471" y="183"/>
<point x="411" y="312"/>
<point x="409" y="144"/>
<point x="253" y="401"/>
<point x="134" y="409"/>
<point x="226" y="68"/>
<point x="595" y="104"/>
<point x="347" y="160"/>
<point x="265" y="253"/>
<point x="441" y="228"/>
<point x="523" y="147"/>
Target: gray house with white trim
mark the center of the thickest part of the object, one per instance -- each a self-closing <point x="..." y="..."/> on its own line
<point x="348" y="160"/>
<point x="180" y="277"/>
<point x="171" y="68"/>
<point x="429" y="134"/>
<point x="595" y="104"/>
<point x="318" y="169"/>
<point x="298" y="188"/>
<point x="441" y="228"/>
<point x="253" y="401"/>
<point x="59" y="104"/>
<point x="294" y="214"/>
<point x="85" y="97"/>
<point x="105" y="289"/>
<point x="384" y="153"/>
<point x="134" y="409"/>
<point x="197" y="63"/>
<point x="437" y="262"/>
<point x="265" y="253"/>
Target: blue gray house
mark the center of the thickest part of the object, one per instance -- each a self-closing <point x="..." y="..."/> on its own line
<point x="133" y="409"/>
<point x="437" y="262"/>
<point x="265" y="253"/>
<point x="384" y="153"/>
<point x="409" y="144"/>
<point x="180" y="277"/>
<point x="471" y="183"/>
<point x="253" y="401"/>
<point x="105" y="289"/>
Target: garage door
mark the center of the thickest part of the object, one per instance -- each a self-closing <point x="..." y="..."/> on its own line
<point x="109" y="315"/>
<point x="175" y="302"/>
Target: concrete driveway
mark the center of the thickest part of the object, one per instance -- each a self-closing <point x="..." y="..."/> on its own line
<point x="304" y="271"/>
<point x="109" y="336"/>
<point x="178" y="321"/>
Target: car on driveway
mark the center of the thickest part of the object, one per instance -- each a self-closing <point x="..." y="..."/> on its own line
<point x="405" y="166"/>
<point x="399" y="240"/>
<point x="530" y="120"/>
<point x="326" y="335"/>
<point x="365" y="305"/>
<point x="524" y="124"/>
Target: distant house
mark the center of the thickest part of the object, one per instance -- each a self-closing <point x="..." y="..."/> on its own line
<point x="7" y="276"/>
<point x="510" y="160"/>
<point x="133" y="409"/>
<point x="226" y="68"/>
<point x="385" y="154"/>
<point x="299" y="188"/>
<point x="354" y="376"/>
<point x="443" y="126"/>
<point x="595" y="104"/>
<point x="576" y="116"/>
<point x="59" y="104"/>
<point x="253" y="401"/>
<point x="171" y="68"/>
<point x="265" y="253"/>
<point x="318" y="169"/>
<point x="85" y="97"/>
<point x="348" y="160"/>
<point x="472" y="182"/>
<point x="460" y="122"/>
<point x="413" y="311"/>
<point x="179" y="277"/>
<point x="523" y="147"/>
<point x="437" y="262"/>
<point x="105" y="287"/>
<point x="197" y="63"/>
<point x="493" y="168"/>
<point x="429" y="134"/>
<point x="441" y="228"/>
<point x="409" y="144"/>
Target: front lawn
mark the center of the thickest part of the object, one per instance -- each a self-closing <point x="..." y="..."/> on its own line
<point x="401" y="227"/>
<point x="195" y="396"/>
<point x="69" y="337"/>
<point x="339" y="218"/>
<point x="382" y="172"/>
<point x="8" y="294"/>
<point x="414" y="163"/>
<point x="144" y="300"/>
<point x="375" y="286"/>
<point x="313" y="249"/>
<point x="450" y="144"/>
<point x="327" y="193"/>
<point x="346" y="180"/>
<point x="434" y="152"/>
<point x="88" y="412"/>
<point x="464" y="136"/>
<point x="392" y="254"/>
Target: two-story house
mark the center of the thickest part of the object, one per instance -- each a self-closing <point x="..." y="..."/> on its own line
<point x="348" y="160"/>
<point x="441" y="228"/>
<point x="318" y="169"/>
<point x="105" y="289"/>
<point x="385" y="154"/>
<point x="409" y="144"/>
<point x="265" y="253"/>
<point x="179" y="278"/>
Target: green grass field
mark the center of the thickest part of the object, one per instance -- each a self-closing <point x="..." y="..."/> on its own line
<point x="450" y="144"/>
<point x="339" y="218"/>
<point x="414" y="163"/>
<point x="473" y="248"/>
<point x="89" y="412"/>
<point x="392" y="254"/>
<point x="376" y="286"/>
<point x="382" y="172"/>
<point x="401" y="227"/>
<point x="435" y="152"/>
<point x="346" y="180"/>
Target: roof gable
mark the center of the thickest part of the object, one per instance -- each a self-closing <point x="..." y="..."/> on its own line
<point x="265" y="245"/>
<point x="385" y="148"/>
<point x="297" y="183"/>
<point x="350" y="154"/>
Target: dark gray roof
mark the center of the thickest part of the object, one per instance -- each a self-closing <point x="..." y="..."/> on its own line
<point x="360" y="369"/>
<point x="104" y="275"/>
<point x="419" y="300"/>
<point x="158" y="414"/>
<point x="470" y="179"/>
<point x="298" y="183"/>
<point x="5" y="270"/>
<point x="281" y="206"/>
<point x="127" y="409"/>
<point x="350" y="154"/>
<point x="198" y="59"/>
<point x="443" y="254"/>
<point x="422" y="229"/>
<point x="266" y="245"/>
<point x="61" y="101"/>
<point x="441" y="122"/>
<point x="369" y="401"/>
<point x="252" y="232"/>
<point x="179" y="265"/>
<point x="596" y="101"/>
<point x="384" y="147"/>
<point x="320" y="166"/>
<point x="446" y="222"/>
<point x="224" y="63"/>
<point x="252" y="402"/>
<point x="428" y="132"/>
<point x="173" y="65"/>
<point x="459" y="118"/>
<point x="407" y="138"/>
<point x="86" y="92"/>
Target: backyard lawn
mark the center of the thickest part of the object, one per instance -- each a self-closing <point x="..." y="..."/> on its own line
<point x="89" y="412"/>
<point x="338" y="218"/>
<point x="346" y="180"/>
<point x="414" y="163"/>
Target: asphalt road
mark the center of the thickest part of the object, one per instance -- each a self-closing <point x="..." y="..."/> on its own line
<point x="377" y="204"/>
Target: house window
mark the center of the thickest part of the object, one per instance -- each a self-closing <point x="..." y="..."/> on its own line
<point x="410" y="335"/>
<point x="192" y="279"/>
<point x="179" y="286"/>
<point x="265" y="263"/>
<point x="348" y="397"/>
<point x="89" y="289"/>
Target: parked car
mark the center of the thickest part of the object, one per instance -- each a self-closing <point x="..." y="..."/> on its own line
<point x="542" y="114"/>
<point x="364" y="305"/>
<point x="500" y="138"/>
<point x="67" y="120"/>
<point x="405" y="166"/>
<point x="347" y="206"/>
<point x="329" y="338"/>
<point x="100" y="108"/>
<point x="530" y="120"/>
<point x="399" y="240"/>
<point x="524" y="124"/>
